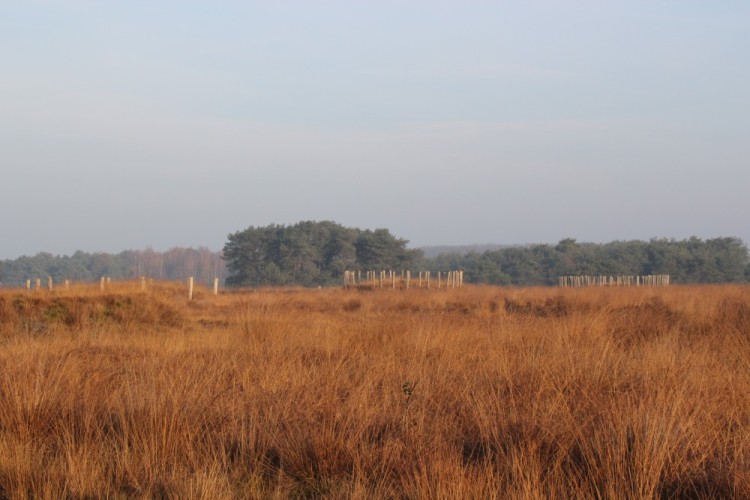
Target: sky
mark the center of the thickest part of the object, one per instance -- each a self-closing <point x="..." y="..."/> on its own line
<point x="135" y="124"/>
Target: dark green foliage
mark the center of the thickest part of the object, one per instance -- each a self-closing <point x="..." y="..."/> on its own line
<point x="718" y="260"/>
<point x="317" y="254"/>
<point x="311" y="254"/>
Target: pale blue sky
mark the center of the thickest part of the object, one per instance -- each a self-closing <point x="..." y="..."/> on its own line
<point x="164" y="123"/>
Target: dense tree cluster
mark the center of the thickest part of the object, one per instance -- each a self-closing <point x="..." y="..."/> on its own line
<point x="719" y="260"/>
<point x="311" y="253"/>
<point x="175" y="264"/>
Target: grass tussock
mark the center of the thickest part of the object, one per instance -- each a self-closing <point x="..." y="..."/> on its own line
<point x="477" y="392"/>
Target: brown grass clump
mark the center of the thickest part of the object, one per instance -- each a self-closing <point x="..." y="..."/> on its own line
<point x="477" y="392"/>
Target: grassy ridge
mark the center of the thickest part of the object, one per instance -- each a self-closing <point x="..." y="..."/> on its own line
<point x="473" y="392"/>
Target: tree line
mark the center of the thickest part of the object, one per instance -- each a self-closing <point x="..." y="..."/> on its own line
<point x="693" y="260"/>
<point x="174" y="264"/>
<point x="317" y="253"/>
<point x="312" y="253"/>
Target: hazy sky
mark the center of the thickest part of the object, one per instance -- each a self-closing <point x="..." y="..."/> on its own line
<point x="173" y="123"/>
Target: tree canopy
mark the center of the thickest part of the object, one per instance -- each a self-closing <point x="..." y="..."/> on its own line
<point x="174" y="264"/>
<point x="718" y="260"/>
<point x="311" y="253"/>
<point x="317" y="254"/>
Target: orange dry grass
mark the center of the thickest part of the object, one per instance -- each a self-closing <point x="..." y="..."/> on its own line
<point x="477" y="392"/>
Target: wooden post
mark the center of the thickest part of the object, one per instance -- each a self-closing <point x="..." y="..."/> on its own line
<point x="190" y="288"/>
<point x="38" y="283"/>
<point x="67" y="284"/>
<point x="101" y="283"/>
<point x="420" y="279"/>
<point x="216" y="286"/>
<point x="109" y="282"/>
<point x="438" y="279"/>
<point x="428" y="279"/>
<point x="393" y="280"/>
<point x="28" y="284"/>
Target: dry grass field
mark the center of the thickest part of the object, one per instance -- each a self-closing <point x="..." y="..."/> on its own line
<point x="477" y="392"/>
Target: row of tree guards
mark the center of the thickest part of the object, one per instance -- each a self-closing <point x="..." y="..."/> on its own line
<point x="582" y="281"/>
<point x="191" y="281"/>
<point x="404" y="279"/>
<point x="392" y="279"/>
<point x="106" y="283"/>
<point x="50" y="284"/>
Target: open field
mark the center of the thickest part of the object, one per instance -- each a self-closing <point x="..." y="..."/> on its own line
<point x="477" y="392"/>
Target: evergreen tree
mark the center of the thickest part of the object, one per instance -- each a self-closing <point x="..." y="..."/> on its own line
<point x="310" y="253"/>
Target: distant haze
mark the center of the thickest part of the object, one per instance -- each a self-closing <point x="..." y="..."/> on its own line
<point x="136" y="124"/>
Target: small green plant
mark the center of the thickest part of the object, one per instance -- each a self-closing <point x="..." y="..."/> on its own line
<point x="408" y="389"/>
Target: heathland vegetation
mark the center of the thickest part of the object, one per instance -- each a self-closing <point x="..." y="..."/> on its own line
<point x="475" y="392"/>
<point x="317" y="254"/>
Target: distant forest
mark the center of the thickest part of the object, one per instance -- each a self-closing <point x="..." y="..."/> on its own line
<point x="174" y="264"/>
<point x="317" y="254"/>
<point x="718" y="260"/>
